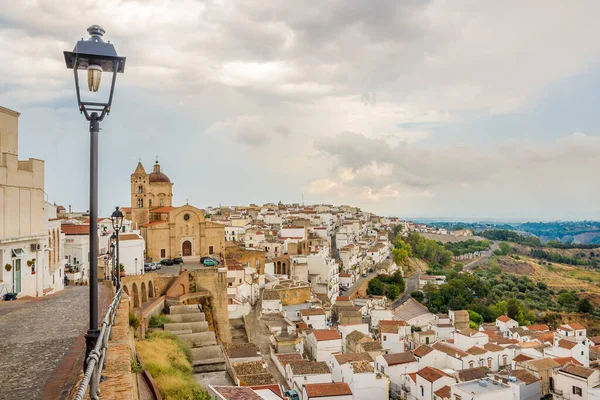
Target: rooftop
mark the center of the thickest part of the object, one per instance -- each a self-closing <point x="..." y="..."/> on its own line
<point x="315" y="390"/>
<point x="309" y="367"/>
<point x="326" y="334"/>
<point x="471" y="374"/>
<point x="409" y="310"/>
<point x="236" y="393"/>
<point x="312" y="311"/>
<point x="482" y="386"/>
<point x="399" y="358"/>
<point x="431" y="374"/>
<point x="352" y="357"/>
<point x="361" y="367"/>
<point x="422" y="350"/>
<point x="577" y="370"/>
<point x="443" y="393"/>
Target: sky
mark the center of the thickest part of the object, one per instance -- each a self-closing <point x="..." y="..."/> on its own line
<point x="455" y="109"/>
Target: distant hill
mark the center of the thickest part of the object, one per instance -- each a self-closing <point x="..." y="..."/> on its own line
<point x="582" y="232"/>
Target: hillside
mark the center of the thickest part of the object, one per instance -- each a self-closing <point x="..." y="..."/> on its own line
<point x="449" y="238"/>
<point x="556" y="276"/>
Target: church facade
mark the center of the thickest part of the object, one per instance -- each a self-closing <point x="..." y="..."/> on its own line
<point x="169" y="231"/>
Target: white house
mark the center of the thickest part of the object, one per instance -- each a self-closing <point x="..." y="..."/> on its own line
<point x="322" y="343"/>
<point x="574" y="381"/>
<point x="378" y="314"/>
<point x="338" y="360"/>
<point x="466" y="338"/>
<point x="364" y="381"/>
<point x="346" y="280"/>
<point x="314" y="317"/>
<point x="300" y="373"/>
<point x="567" y="348"/>
<point x="346" y="329"/>
<point x="393" y="335"/>
<point x="504" y="323"/>
<point x="395" y="366"/>
<point x="429" y="380"/>
<point x="433" y="279"/>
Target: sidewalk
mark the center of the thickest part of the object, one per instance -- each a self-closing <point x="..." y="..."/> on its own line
<point x="41" y="342"/>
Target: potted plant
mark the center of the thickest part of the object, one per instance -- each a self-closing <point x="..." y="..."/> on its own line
<point x="122" y="269"/>
<point x="8" y="267"/>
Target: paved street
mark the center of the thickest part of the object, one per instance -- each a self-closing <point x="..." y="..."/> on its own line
<point x="482" y="259"/>
<point x="412" y="284"/>
<point x="35" y="336"/>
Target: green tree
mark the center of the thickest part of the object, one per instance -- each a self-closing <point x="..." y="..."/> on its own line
<point x="513" y="308"/>
<point x="393" y="291"/>
<point x="418" y="295"/>
<point x="566" y="299"/>
<point x="475" y="317"/>
<point x="458" y="267"/>
<point x="376" y="287"/>
<point x="585" y="306"/>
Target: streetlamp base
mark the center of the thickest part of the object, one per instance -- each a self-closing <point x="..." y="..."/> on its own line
<point x="91" y="337"/>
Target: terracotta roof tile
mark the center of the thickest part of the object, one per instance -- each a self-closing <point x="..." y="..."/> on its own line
<point x="422" y="351"/>
<point x="525" y="376"/>
<point x="492" y="347"/>
<point x="75" y="229"/>
<point x="351" y="357"/>
<point x="450" y="350"/>
<point x="309" y="367"/>
<point x="522" y="357"/>
<point x="315" y="390"/>
<point x="471" y="374"/>
<point x="431" y="374"/>
<point x="543" y="363"/>
<point x="566" y="344"/>
<point x="476" y="351"/>
<point x="326" y="334"/>
<point x="413" y="377"/>
<point x="504" y="318"/>
<point x="576" y="326"/>
<point x="537" y="328"/>
<point x="444" y="392"/>
<point x="577" y="370"/>
<point x="566" y="360"/>
<point x="312" y="311"/>
<point x="237" y="393"/>
<point x="399" y="358"/>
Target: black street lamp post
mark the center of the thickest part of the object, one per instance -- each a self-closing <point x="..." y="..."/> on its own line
<point x="95" y="56"/>
<point x="113" y="252"/>
<point x="117" y="222"/>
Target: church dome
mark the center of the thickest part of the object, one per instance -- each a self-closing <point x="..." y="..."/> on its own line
<point x="157" y="176"/>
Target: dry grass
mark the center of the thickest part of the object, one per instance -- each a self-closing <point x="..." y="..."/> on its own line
<point x="558" y="276"/>
<point x="164" y="356"/>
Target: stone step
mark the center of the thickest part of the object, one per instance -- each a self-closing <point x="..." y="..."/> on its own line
<point x="202" y="354"/>
<point x="182" y="332"/>
<point x="218" y="366"/>
<point x="199" y="339"/>
<point x="192" y="317"/>
<point x="195" y="327"/>
<point x="185" y="309"/>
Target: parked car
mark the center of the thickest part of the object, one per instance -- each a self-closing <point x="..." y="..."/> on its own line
<point x="178" y="260"/>
<point x="166" y="261"/>
<point x="210" y="262"/>
<point x="364" y="275"/>
<point x="148" y="267"/>
<point x="155" y="266"/>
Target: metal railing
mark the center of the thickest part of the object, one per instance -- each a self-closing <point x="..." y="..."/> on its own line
<point x="96" y="358"/>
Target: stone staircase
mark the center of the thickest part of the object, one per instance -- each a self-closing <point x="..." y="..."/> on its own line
<point x="189" y="323"/>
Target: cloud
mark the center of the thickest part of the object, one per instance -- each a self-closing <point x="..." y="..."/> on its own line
<point x="284" y="79"/>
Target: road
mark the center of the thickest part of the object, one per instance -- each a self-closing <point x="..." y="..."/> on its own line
<point x="369" y="276"/>
<point x="482" y="259"/>
<point x="412" y="284"/>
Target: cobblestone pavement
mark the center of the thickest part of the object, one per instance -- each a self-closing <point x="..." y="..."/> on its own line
<point x="35" y="337"/>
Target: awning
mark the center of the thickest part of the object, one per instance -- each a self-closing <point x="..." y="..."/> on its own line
<point x="18" y="252"/>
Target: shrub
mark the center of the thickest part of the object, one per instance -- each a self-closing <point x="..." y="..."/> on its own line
<point x="157" y="321"/>
<point x="167" y="358"/>
<point x="134" y="321"/>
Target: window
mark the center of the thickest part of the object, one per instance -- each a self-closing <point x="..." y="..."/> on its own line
<point x="576" y="390"/>
<point x="489" y="363"/>
<point x="186" y="217"/>
<point x="422" y="391"/>
<point x="161" y="202"/>
<point x="140" y="189"/>
<point x="140" y="203"/>
<point x="457" y="397"/>
<point x="384" y="338"/>
<point x="150" y="203"/>
<point x="470" y="364"/>
<point x="308" y="318"/>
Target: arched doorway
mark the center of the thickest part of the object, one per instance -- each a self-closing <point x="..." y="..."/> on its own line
<point x="144" y="296"/>
<point x="136" y="296"/>
<point x="186" y="248"/>
<point x="126" y="290"/>
<point x="150" y="289"/>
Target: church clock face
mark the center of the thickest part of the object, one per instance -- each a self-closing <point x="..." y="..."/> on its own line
<point x="186" y="217"/>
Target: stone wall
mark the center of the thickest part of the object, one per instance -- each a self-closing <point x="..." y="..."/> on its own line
<point x="140" y="288"/>
<point x="214" y="280"/>
<point x="120" y="382"/>
<point x="180" y="286"/>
